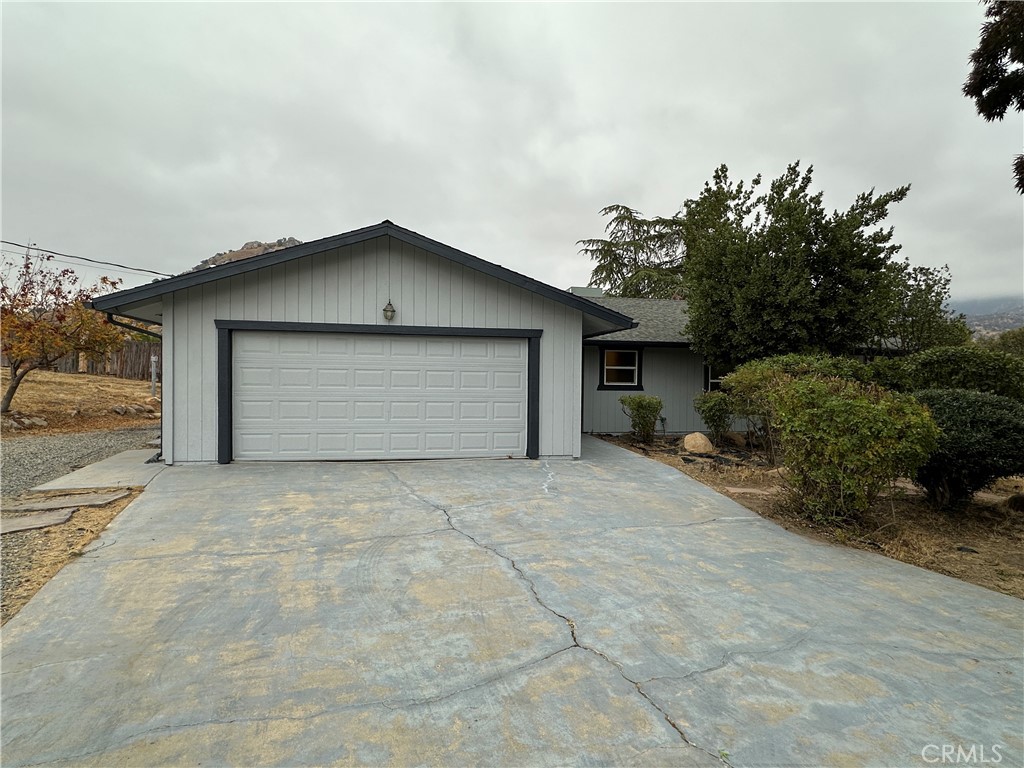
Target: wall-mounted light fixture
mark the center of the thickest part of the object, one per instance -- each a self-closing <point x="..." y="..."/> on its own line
<point x="389" y="311"/>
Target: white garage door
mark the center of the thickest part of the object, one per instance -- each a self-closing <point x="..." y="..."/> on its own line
<point x="308" y="396"/>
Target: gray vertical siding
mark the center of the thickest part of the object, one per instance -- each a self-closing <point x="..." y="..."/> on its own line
<point x="675" y="375"/>
<point x="351" y="285"/>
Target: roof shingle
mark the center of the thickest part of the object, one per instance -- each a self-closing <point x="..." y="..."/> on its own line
<point x="660" y="320"/>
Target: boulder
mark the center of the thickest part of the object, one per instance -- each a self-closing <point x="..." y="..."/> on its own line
<point x="120" y="410"/>
<point x="697" y="442"/>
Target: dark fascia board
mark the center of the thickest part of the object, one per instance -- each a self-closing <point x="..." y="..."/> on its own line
<point x="112" y="301"/>
<point x="597" y="341"/>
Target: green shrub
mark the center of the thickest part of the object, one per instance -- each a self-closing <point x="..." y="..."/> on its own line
<point x="970" y="367"/>
<point x="844" y="441"/>
<point x="643" y="412"/>
<point x="750" y="386"/>
<point x="895" y="373"/>
<point x="716" y="413"/>
<point x="982" y="440"/>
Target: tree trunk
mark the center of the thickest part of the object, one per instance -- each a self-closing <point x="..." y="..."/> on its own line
<point x="12" y="387"/>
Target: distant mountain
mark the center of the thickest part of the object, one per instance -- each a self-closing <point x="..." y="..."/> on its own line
<point x="995" y="322"/>
<point x="990" y="306"/>
<point x="250" y="249"/>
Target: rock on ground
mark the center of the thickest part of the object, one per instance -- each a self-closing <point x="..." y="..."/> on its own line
<point x="696" y="442"/>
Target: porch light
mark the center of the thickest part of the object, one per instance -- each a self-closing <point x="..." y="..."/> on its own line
<point x="389" y="311"/>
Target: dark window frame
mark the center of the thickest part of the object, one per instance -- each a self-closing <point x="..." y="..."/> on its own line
<point x="638" y="386"/>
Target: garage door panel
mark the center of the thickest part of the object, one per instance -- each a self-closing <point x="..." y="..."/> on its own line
<point x="333" y="345"/>
<point x="352" y="396"/>
<point x="434" y="380"/>
<point x="510" y="381"/>
<point x="508" y="411"/>
<point x="301" y="378"/>
<point x="296" y="345"/>
<point x="403" y="379"/>
<point x="331" y="378"/>
<point x="474" y="379"/>
<point x="469" y="409"/>
<point x="439" y="410"/>
<point x="250" y="377"/>
<point x="405" y="442"/>
<point x="333" y="444"/>
<point x="439" y="442"/>
<point x="333" y="410"/>
<point x="370" y="346"/>
<point x="292" y="410"/>
<point x="404" y="410"/>
<point x="368" y="442"/>
<point x="509" y="441"/>
<point x="368" y="410"/>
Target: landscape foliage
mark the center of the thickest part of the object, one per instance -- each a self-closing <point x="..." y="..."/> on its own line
<point x="643" y="412"/>
<point x="982" y="440"/>
<point x="844" y="441"/>
<point x="45" y="318"/>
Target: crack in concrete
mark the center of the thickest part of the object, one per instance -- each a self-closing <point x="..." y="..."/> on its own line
<point x="550" y="477"/>
<point x="403" y="703"/>
<point x="730" y="656"/>
<point x="570" y="623"/>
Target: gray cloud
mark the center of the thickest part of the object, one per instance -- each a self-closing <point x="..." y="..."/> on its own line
<point x="157" y="135"/>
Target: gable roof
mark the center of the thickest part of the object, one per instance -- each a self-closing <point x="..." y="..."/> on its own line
<point x="659" y="321"/>
<point x="122" y="302"/>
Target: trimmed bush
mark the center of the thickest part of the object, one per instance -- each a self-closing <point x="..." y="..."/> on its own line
<point x="895" y="373"/>
<point x="844" y="441"/>
<point x="969" y="367"/>
<point x="716" y="412"/>
<point x="749" y="388"/>
<point x="982" y="440"/>
<point x="643" y="412"/>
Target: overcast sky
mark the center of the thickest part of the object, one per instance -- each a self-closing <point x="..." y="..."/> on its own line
<point x="158" y="135"/>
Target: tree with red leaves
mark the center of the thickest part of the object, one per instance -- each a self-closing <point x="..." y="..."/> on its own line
<point x="43" y="318"/>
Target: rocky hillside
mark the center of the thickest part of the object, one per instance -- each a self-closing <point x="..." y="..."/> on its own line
<point x="250" y="249"/>
<point x="995" y="322"/>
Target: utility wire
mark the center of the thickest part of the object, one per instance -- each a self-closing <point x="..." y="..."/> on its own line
<point x="83" y="258"/>
<point x="42" y="257"/>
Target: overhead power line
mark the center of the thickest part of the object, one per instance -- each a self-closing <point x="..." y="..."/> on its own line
<point x="84" y="258"/>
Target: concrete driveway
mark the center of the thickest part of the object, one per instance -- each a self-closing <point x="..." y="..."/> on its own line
<point x="604" y="611"/>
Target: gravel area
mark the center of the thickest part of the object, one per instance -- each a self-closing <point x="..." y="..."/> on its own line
<point x="27" y="461"/>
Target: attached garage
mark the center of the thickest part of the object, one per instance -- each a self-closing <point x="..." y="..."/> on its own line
<point x="373" y="344"/>
<point x="331" y="396"/>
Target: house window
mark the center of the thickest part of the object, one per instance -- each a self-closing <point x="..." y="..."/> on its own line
<point x="620" y="369"/>
<point x="713" y="376"/>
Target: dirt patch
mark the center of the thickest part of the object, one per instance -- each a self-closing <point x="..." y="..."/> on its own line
<point x="78" y="402"/>
<point x="983" y="545"/>
<point x="31" y="558"/>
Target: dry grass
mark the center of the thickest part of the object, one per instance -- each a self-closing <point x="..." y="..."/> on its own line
<point x="32" y="558"/>
<point x="983" y="545"/>
<point x="77" y="402"/>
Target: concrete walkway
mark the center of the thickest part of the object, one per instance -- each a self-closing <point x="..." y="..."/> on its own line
<point x="604" y="611"/>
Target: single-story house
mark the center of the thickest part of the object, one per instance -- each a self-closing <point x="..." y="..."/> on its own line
<point x="654" y="357"/>
<point x="380" y="343"/>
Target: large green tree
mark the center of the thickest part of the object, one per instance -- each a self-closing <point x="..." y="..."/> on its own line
<point x="913" y="310"/>
<point x="996" y="79"/>
<point x="766" y="269"/>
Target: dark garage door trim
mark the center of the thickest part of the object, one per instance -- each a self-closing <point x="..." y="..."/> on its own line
<point x="225" y="329"/>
